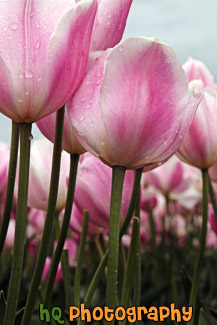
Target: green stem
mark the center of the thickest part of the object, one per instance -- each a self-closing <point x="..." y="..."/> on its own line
<point x="131" y="208"/>
<point x="129" y="274"/>
<point x="198" y="265"/>
<point x="118" y="173"/>
<point x="96" y="279"/>
<point x="74" y="158"/>
<point x="21" y="220"/>
<point x="137" y="292"/>
<point x="125" y="224"/>
<point x="10" y="184"/>
<point x="213" y="199"/>
<point x="80" y="259"/>
<point x="66" y="277"/>
<point x="123" y="256"/>
<point x="48" y="226"/>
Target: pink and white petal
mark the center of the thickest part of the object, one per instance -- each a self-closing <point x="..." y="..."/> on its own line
<point x="109" y="23"/>
<point x="196" y="69"/>
<point x="85" y="114"/>
<point x="25" y="29"/>
<point x="172" y="144"/>
<point x="67" y="55"/>
<point x="197" y="148"/>
<point x="7" y="100"/>
<point x="154" y="95"/>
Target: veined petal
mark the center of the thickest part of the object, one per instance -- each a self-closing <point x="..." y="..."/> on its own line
<point x="67" y="54"/>
<point x="109" y="23"/>
<point x="143" y="98"/>
<point x="25" y="29"/>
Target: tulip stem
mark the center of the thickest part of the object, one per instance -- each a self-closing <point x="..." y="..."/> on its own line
<point x="10" y="184"/>
<point x="49" y="221"/>
<point x="80" y="258"/>
<point x="133" y="200"/>
<point x="21" y="220"/>
<point x="213" y="199"/>
<point x="198" y="265"/>
<point x="118" y="173"/>
<point x="74" y="158"/>
<point x="125" y="224"/>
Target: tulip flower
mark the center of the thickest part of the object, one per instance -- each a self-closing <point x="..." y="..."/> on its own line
<point x="4" y="161"/>
<point x="76" y="222"/>
<point x="132" y="110"/>
<point x="177" y="180"/>
<point x="93" y="190"/>
<point x="133" y="107"/>
<point x="196" y="69"/>
<point x="39" y="178"/>
<point x="44" y="51"/>
<point x="199" y="146"/>
<point x="212" y="219"/>
<point x="199" y="149"/>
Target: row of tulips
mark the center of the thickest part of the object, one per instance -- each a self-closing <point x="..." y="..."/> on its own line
<point x="131" y="105"/>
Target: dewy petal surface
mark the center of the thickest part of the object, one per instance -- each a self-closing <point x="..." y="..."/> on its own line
<point x="109" y="23"/>
<point x="133" y="107"/>
<point x="143" y="96"/>
<point x="26" y="27"/>
<point x="199" y="144"/>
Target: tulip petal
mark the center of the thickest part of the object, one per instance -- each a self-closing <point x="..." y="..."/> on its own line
<point x="196" y="69"/>
<point x="197" y="148"/>
<point x="67" y="54"/>
<point x="85" y="114"/>
<point x="25" y="29"/>
<point x="155" y="91"/>
<point x="109" y="23"/>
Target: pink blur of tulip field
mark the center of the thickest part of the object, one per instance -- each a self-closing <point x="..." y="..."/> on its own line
<point x="131" y="107"/>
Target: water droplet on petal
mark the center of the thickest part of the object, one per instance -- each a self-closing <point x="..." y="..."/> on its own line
<point x="20" y="75"/>
<point x="13" y="26"/>
<point x="28" y="74"/>
<point x="82" y="118"/>
<point x="120" y="49"/>
<point x="37" y="45"/>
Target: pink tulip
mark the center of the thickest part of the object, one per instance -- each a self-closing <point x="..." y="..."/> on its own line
<point x="212" y="219"/>
<point x="196" y="69"/>
<point x="72" y="246"/>
<point x="44" y="51"/>
<point x="59" y="274"/>
<point x="39" y="178"/>
<point x="93" y="190"/>
<point x="76" y="223"/>
<point x="199" y="147"/>
<point x="177" y="180"/>
<point x="9" y="241"/>
<point x="4" y="162"/>
<point x="109" y="23"/>
<point x="169" y="177"/>
<point x="70" y="142"/>
<point x="133" y="106"/>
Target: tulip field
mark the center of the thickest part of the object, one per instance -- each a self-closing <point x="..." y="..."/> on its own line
<point x="110" y="215"/>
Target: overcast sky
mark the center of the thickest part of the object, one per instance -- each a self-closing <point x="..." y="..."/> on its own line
<point x="188" y="26"/>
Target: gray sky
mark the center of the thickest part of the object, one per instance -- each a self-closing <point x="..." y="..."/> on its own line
<point x="188" y="26"/>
